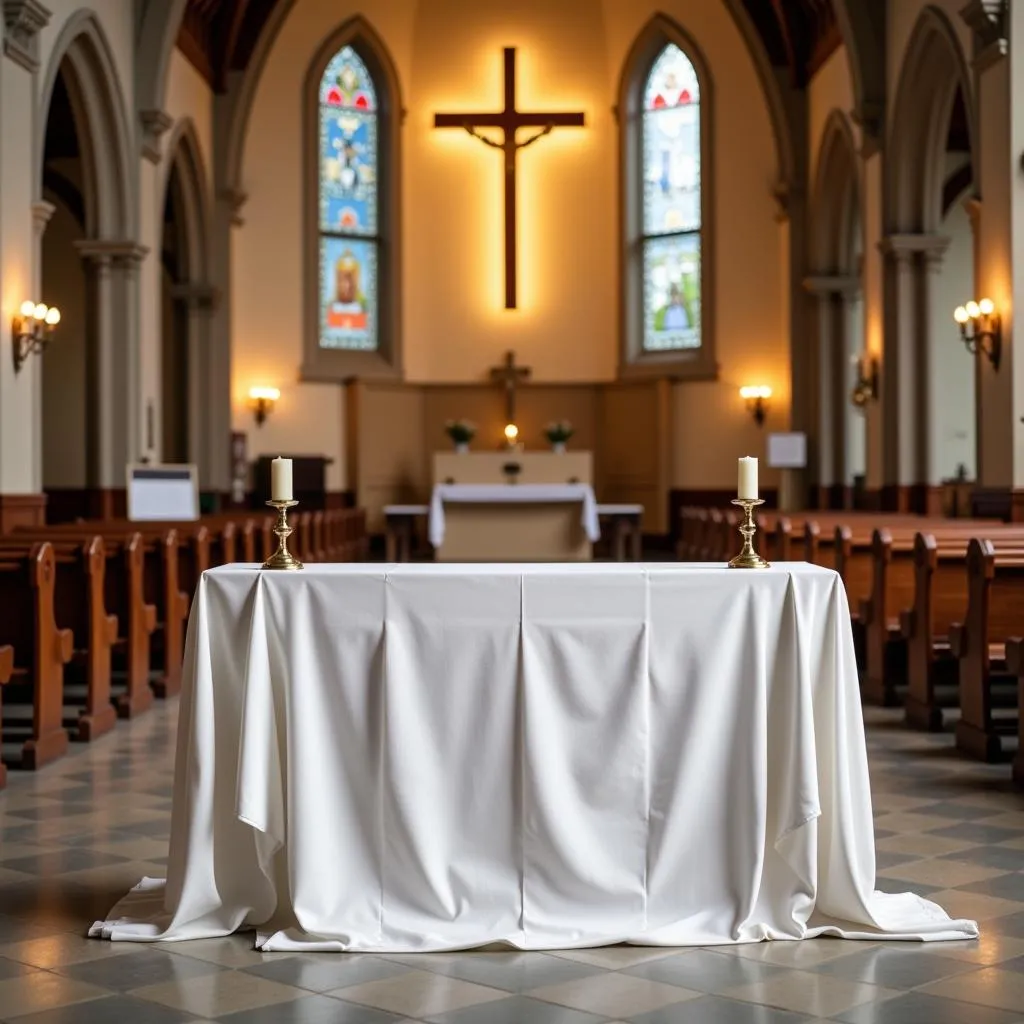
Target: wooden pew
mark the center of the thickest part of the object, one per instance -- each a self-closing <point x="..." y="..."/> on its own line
<point x="41" y="650"/>
<point x="6" y="670"/>
<point x="995" y="613"/>
<point x="80" y="606"/>
<point x="162" y="566"/>
<point x="124" y="598"/>
<point x="1015" y="665"/>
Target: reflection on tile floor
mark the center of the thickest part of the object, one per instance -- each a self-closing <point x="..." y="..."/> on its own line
<point x="76" y="836"/>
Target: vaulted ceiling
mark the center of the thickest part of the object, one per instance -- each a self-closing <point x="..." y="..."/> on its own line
<point x="219" y="36"/>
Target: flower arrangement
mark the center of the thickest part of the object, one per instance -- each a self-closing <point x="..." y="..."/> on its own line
<point x="559" y="432"/>
<point x="460" y="431"/>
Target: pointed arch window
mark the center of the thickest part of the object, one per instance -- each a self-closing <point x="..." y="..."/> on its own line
<point x="667" y="156"/>
<point x="352" y="324"/>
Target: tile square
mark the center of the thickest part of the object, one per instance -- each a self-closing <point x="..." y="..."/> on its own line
<point x="919" y="1008"/>
<point x="60" y="862"/>
<point x="214" y="995"/>
<point x="311" y="1010"/>
<point x="325" y="971"/>
<point x="110" y="1010"/>
<point x="815" y="994"/>
<point x="945" y="874"/>
<point x="418" y="994"/>
<point x="989" y="986"/>
<point x="513" y="971"/>
<point x="956" y="810"/>
<point x="1007" y="886"/>
<point x="137" y="969"/>
<point x="41" y="990"/>
<point x="517" y="1010"/>
<point x="615" y="958"/>
<point x="892" y="965"/>
<point x="988" y="856"/>
<point x="716" y="1010"/>
<point x="706" y="971"/>
<point x="977" y="832"/>
<point x="614" y="994"/>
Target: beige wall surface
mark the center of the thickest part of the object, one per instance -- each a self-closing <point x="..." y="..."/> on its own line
<point x="448" y="57"/>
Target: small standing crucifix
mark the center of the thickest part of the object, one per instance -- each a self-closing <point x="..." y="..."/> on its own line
<point x="508" y="121"/>
<point x="510" y="375"/>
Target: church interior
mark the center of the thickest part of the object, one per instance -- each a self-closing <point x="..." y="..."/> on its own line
<point x="456" y="286"/>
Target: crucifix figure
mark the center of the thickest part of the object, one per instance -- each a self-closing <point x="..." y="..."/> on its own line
<point x="509" y="121"/>
<point x="510" y="375"/>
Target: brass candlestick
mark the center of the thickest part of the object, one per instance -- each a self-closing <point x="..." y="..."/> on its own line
<point x="748" y="558"/>
<point x="282" y="558"/>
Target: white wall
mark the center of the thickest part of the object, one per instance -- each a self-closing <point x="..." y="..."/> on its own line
<point x="952" y="400"/>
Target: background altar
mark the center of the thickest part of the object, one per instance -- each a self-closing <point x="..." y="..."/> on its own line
<point x="393" y="430"/>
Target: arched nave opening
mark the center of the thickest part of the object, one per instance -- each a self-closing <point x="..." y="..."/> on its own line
<point x="929" y="380"/>
<point x="836" y="255"/>
<point x="88" y="268"/>
<point x="186" y="302"/>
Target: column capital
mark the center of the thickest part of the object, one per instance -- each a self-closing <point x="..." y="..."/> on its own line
<point x="107" y="252"/>
<point x="903" y="248"/>
<point x="987" y="20"/>
<point x="42" y="211"/>
<point x="236" y="199"/>
<point x="154" y="124"/>
<point x="848" y="286"/>
<point x="23" y="21"/>
<point x="202" y="298"/>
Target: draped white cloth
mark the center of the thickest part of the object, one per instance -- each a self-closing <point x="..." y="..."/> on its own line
<point x="512" y="494"/>
<point x="431" y="757"/>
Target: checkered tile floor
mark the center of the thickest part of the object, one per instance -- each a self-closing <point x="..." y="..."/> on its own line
<point x="75" y="837"/>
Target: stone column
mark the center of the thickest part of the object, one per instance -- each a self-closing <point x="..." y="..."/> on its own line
<point x="834" y="295"/>
<point x="998" y="31"/>
<point x="208" y="443"/>
<point x="114" y="385"/>
<point x="904" y="378"/>
<point x="42" y="211"/>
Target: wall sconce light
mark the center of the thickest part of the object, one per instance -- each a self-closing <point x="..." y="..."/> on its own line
<point x="511" y="436"/>
<point x="865" y="389"/>
<point x="31" y="329"/>
<point x="980" y="328"/>
<point x="756" y="397"/>
<point x="262" y="401"/>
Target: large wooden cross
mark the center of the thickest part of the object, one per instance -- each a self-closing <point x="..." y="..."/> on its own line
<point x="509" y="120"/>
<point x="510" y="375"/>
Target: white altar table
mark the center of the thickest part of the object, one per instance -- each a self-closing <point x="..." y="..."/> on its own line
<point x="434" y="757"/>
<point x="518" y="522"/>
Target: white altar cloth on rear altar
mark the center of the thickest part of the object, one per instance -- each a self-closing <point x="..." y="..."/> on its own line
<point x="425" y="757"/>
<point x="525" y="494"/>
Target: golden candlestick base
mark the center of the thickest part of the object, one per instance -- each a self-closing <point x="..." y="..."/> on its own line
<point x="748" y="558"/>
<point x="282" y="558"/>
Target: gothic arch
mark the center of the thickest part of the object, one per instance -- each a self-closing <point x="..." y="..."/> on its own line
<point x="934" y="69"/>
<point x="386" y="360"/>
<point x="82" y="53"/>
<point x="649" y="43"/>
<point x="186" y="160"/>
<point x="835" y="209"/>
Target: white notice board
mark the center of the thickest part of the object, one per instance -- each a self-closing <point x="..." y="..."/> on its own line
<point x="162" y="493"/>
<point x="787" y="451"/>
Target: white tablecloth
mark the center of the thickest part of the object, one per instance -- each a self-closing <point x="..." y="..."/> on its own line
<point x="431" y="757"/>
<point x="512" y="494"/>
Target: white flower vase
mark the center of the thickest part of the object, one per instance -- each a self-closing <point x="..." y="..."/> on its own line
<point x="558" y="447"/>
<point x="461" y="447"/>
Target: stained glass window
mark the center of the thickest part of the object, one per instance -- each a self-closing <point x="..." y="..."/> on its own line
<point x="671" y="204"/>
<point x="348" y="204"/>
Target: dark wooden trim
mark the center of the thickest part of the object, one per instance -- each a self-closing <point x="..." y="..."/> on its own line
<point x="21" y="510"/>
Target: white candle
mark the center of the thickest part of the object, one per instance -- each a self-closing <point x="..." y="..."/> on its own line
<point x="748" y="478"/>
<point x="281" y="479"/>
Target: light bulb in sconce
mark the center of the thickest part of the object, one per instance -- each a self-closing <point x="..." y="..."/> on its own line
<point x="262" y="400"/>
<point x="511" y="434"/>
<point x="980" y="328"/>
<point x="756" y="396"/>
<point x="31" y="329"/>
